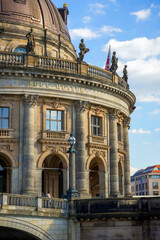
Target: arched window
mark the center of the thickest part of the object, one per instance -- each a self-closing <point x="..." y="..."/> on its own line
<point x="20" y="50"/>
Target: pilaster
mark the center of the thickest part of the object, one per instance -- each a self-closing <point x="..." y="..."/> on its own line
<point x="127" y="183"/>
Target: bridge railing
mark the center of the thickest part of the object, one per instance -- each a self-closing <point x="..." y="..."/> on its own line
<point x="31" y="201"/>
<point x="60" y="65"/>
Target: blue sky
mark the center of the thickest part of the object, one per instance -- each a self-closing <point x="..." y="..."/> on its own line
<point x="132" y="28"/>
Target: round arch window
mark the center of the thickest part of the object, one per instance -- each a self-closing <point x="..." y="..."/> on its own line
<point x="20" y="50"/>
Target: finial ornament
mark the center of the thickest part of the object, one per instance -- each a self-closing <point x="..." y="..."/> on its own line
<point x="114" y="65"/>
<point x="83" y="50"/>
<point x="65" y="5"/>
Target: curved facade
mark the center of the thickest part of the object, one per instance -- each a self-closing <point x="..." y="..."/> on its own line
<point x="45" y="97"/>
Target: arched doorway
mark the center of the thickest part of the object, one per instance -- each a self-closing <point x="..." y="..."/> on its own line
<point x="97" y="182"/>
<point x="120" y="175"/>
<point x="52" y="176"/>
<point x="94" y="179"/>
<point x="5" y="175"/>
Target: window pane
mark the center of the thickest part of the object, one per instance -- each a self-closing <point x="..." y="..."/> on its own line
<point x="59" y="115"/>
<point x="47" y="125"/>
<point x="0" y="123"/>
<point x="59" y="126"/>
<point x="53" y="126"/>
<point x="5" y="124"/>
<point x="5" y="112"/>
<point x="0" y="112"/>
<point x="20" y="50"/>
<point x="48" y="114"/>
<point x="54" y="115"/>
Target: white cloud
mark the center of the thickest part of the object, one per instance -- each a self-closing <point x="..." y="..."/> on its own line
<point x="159" y="14"/>
<point x="154" y="6"/>
<point x="97" y="8"/>
<point x="83" y="33"/>
<point x="142" y="55"/>
<point x="110" y="30"/>
<point x="140" y="131"/>
<point x="155" y="112"/>
<point x="138" y="108"/>
<point x="137" y="48"/>
<point x="157" y="130"/>
<point x="142" y="14"/>
<point x="146" y="143"/>
<point x="133" y="170"/>
<point x="88" y="33"/>
<point x="86" y="19"/>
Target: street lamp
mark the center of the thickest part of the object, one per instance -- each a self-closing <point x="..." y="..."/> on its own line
<point x="72" y="192"/>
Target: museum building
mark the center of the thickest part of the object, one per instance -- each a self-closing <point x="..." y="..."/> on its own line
<point x="46" y="93"/>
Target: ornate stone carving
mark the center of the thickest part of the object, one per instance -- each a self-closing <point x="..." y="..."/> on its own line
<point x="30" y="100"/>
<point x="81" y="106"/>
<point x="20" y="1"/>
<point x="114" y="113"/>
<point x="126" y="122"/>
<point x="56" y="103"/>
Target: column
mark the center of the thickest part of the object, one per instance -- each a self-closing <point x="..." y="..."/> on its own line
<point x="29" y="162"/>
<point x="114" y="181"/>
<point x="80" y="147"/>
<point x="127" y="183"/>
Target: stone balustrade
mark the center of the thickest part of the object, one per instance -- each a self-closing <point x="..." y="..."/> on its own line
<point x="6" y="133"/>
<point x="31" y="201"/>
<point x="59" y="65"/>
<point x="53" y="134"/>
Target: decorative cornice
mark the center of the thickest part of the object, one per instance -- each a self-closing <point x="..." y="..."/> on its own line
<point x="49" y="141"/>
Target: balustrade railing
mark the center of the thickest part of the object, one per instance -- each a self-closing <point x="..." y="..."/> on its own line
<point x="7" y="199"/>
<point x="52" y="134"/>
<point x="20" y="200"/>
<point x="99" y="72"/>
<point x="54" y="203"/>
<point x="6" y="132"/>
<point x="57" y="64"/>
<point x="11" y="59"/>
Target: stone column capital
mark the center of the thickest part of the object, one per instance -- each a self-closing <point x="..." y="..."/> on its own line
<point x="81" y="106"/>
<point x="114" y="113"/>
<point x="30" y="100"/>
<point x="126" y="122"/>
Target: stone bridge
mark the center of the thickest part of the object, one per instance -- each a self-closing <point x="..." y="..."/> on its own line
<point x="26" y="217"/>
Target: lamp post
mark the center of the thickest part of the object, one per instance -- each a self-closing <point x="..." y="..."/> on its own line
<point x="72" y="192"/>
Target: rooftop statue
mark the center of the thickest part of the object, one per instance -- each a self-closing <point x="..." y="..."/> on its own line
<point x="125" y="73"/>
<point x="83" y="50"/>
<point x="114" y="65"/>
<point x="31" y="43"/>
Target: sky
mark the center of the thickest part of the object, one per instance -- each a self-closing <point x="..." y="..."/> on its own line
<point x="132" y="28"/>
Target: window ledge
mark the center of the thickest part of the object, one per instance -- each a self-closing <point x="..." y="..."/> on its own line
<point x="99" y="139"/>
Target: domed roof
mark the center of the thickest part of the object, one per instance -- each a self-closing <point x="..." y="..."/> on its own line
<point x="40" y="13"/>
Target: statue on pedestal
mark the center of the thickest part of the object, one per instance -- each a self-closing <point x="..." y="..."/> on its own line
<point x="114" y="65"/>
<point x="83" y="50"/>
<point x="31" y="43"/>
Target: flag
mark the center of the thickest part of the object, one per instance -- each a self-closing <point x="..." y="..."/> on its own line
<point x="107" y="67"/>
